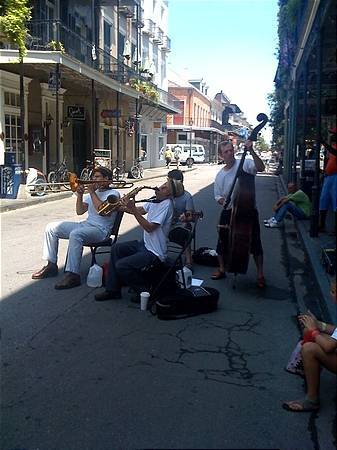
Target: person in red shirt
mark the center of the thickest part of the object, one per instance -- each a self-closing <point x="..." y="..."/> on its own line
<point x="328" y="198"/>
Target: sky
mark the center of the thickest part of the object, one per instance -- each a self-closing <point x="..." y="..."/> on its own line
<point x="231" y="44"/>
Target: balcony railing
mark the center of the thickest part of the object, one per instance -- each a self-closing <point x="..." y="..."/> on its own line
<point x="53" y="35"/>
<point x="46" y="35"/>
<point x="158" y="36"/>
<point x="149" y="27"/>
<point x="139" y="21"/>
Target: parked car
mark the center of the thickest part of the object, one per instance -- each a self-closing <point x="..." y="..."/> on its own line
<point x="189" y="154"/>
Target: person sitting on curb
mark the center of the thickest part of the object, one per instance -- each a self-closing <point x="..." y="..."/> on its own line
<point x="183" y="211"/>
<point x="94" y="229"/>
<point x="296" y="202"/>
<point x="319" y="349"/>
<point x="127" y="259"/>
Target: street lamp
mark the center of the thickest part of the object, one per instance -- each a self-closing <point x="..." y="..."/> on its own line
<point x="190" y="159"/>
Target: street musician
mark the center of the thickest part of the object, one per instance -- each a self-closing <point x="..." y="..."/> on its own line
<point x="127" y="259"/>
<point x="94" y="229"/>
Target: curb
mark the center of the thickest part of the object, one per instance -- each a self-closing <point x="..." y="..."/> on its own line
<point x="312" y="250"/>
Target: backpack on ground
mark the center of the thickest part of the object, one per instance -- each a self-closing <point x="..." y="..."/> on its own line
<point x="206" y="256"/>
<point x="184" y="303"/>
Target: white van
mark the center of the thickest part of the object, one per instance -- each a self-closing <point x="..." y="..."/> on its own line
<point x="189" y="154"/>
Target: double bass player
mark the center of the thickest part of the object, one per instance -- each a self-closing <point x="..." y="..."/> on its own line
<point x="222" y="189"/>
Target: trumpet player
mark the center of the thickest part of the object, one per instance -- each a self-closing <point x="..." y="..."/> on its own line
<point x="94" y="229"/>
<point x="127" y="259"/>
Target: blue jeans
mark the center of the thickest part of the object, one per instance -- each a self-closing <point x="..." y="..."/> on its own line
<point x="126" y="261"/>
<point x="289" y="207"/>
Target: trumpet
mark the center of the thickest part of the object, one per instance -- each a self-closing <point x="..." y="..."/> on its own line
<point x="113" y="203"/>
<point x="74" y="182"/>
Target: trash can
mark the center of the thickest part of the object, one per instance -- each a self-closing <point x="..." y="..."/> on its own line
<point x="10" y="177"/>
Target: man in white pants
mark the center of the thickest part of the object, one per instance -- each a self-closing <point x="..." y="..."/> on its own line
<point x="95" y="228"/>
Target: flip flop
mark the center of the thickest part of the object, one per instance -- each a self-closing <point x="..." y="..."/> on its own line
<point x="218" y="275"/>
<point x="305" y="404"/>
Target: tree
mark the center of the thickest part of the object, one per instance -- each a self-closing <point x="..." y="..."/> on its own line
<point x="261" y="145"/>
<point x="14" y="14"/>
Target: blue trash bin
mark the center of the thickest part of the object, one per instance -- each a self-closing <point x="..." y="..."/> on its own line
<point x="10" y="177"/>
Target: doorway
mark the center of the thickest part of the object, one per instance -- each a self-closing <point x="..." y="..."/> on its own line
<point x="79" y="145"/>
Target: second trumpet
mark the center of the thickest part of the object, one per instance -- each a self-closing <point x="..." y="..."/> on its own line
<point x="113" y="203"/>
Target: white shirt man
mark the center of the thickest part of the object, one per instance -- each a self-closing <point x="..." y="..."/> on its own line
<point x="94" y="229"/>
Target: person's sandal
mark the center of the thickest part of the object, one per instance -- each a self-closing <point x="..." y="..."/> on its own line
<point x="261" y="282"/>
<point x="305" y="405"/>
<point x="218" y="275"/>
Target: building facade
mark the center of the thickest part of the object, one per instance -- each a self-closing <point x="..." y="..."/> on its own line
<point x="93" y="79"/>
<point x="307" y="77"/>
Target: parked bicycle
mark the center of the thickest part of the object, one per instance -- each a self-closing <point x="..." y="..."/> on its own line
<point x="59" y="175"/>
<point x="137" y="170"/>
<point x="86" y="173"/>
<point x="118" y="172"/>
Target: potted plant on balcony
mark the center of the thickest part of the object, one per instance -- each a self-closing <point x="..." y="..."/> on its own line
<point x="56" y="46"/>
<point x="14" y="15"/>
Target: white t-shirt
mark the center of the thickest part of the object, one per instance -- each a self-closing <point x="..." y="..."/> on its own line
<point x="160" y="213"/>
<point x="102" y="222"/>
<point x="224" y="179"/>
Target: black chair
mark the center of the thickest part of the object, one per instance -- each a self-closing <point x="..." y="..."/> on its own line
<point x="161" y="276"/>
<point x="106" y="243"/>
<point x="94" y="247"/>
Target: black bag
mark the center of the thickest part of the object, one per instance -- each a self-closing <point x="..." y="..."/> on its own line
<point x="206" y="257"/>
<point x="186" y="303"/>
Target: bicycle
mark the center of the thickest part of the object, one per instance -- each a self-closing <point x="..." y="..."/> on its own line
<point x="86" y="173"/>
<point x="59" y="175"/>
<point x="137" y="170"/>
<point x="118" y="173"/>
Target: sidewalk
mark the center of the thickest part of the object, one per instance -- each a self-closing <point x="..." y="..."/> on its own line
<point x="12" y="204"/>
<point x="313" y="249"/>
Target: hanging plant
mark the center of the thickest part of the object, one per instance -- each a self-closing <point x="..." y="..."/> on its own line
<point x="14" y="14"/>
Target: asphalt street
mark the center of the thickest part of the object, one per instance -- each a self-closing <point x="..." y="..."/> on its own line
<point x="77" y="374"/>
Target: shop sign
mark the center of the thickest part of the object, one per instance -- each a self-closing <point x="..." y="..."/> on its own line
<point x="108" y="113"/>
<point x="76" y="112"/>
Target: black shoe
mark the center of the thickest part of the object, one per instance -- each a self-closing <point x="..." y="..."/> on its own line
<point x="69" y="281"/>
<point x="107" y="295"/>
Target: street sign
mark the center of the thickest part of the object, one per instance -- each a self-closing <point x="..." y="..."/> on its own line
<point x="76" y="112"/>
<point x="53" y="85"/>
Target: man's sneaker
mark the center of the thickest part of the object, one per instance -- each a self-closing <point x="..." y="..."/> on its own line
<point x="273" y="223"/>
<point x="268" y="220"/>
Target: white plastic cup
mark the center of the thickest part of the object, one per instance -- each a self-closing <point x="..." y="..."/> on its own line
<point x="144" y="298"/>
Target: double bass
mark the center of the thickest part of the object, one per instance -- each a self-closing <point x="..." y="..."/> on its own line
<point x="242" y="216"/>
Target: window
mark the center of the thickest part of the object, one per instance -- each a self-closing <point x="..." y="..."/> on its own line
<point x="106" y="138"/>
<point x="12" y="99"/>
<point x="13" y="135"/>
<point x="182" y="137"/>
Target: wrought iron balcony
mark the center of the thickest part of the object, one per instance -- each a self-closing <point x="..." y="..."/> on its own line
<point x="158" y="36"/>
<point x="53" y="35"/>
<point x="149" y="27"/>
<point x="139" y="21"/>
<point x="166" y="45"/>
